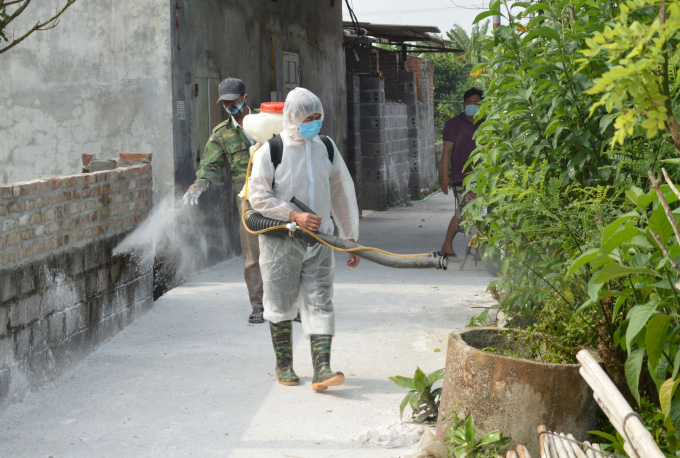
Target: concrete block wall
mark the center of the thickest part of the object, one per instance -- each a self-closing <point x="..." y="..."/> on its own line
<point x="373" y="151"/>
<point x="422" y="154"/>
<point x="420" y="130"/>
<point x="391" y="128"/>
<point x="61" y="290"/>
<point x="398" y="171"/>
<point x="384" y="146"/>
<point x="428" y="173"/>
<point x="354" y="134"/>
<point x="438" y="153"/>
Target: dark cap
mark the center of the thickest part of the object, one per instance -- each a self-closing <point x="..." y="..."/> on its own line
<point x="231" y="89"/>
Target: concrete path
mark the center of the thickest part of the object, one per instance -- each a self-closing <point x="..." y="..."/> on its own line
<point x="192" y="378"/>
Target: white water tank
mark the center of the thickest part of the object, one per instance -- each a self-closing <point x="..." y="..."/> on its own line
<point x="265" y="124"/>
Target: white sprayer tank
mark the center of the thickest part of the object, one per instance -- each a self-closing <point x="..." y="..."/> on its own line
<point x="265" y="124"/>
<point x="262" y="126"/>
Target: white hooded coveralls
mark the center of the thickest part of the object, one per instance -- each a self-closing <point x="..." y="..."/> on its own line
<point x="293" y="274"/>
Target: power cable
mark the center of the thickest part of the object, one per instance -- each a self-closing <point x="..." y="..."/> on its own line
<point x="360" y="32"/>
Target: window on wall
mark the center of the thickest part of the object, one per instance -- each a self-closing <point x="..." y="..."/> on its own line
<point x="291" y="72"/>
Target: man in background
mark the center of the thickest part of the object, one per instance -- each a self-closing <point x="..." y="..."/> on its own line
<point x="458" y="144"/>
<point x="228" y="151"/>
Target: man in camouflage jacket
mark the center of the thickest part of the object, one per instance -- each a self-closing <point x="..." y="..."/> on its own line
<point x="227" y="151"/>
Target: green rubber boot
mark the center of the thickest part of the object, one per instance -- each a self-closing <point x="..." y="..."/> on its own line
<point x="321" y="357"/>
<point x="282" y="338"/>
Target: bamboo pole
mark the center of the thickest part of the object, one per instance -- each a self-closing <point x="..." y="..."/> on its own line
<point x="542" y="442"/>
<point x="589" y="450"/>
<point x="522" y="451"/>
<point x="559" y="446"/>
<point x="567" y="445"/>
<point x="575" y="446"/>
<point x="639" y="443"/>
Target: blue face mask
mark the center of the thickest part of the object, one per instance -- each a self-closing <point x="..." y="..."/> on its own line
<point x="236" y="109"/>
<point x="310" y="129"/>
<point x="471" y="110"/>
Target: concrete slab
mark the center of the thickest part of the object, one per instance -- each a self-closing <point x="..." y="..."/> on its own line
<point x="192" y="378"/>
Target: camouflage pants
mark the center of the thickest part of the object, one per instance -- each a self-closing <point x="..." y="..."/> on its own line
<point x="251" y="271"/>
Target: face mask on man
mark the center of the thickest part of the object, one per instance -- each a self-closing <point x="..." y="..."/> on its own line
<point x="236" y="109"/>
<point x="310" y="129"/>
<point x="471" y="110"/>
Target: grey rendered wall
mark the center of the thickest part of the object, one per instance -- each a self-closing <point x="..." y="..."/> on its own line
<point x="220" y="38"/>
<point x="97" y="83"/>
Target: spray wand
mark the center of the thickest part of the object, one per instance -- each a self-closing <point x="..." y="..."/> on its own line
<point x="255" y="223"/>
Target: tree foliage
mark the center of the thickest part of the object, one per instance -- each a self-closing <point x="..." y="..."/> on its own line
<point x="470" y="44"/>
<point x="579" y="107"/>
<point x="451" y="80"/>
<point x="12" y="9"/>
<point x="636" y="84"/>
<point x="452" y="73"/>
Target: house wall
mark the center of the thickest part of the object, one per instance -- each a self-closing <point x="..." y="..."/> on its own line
<point x="221" y="38"/>
<point x="99" y="82"/>
<point x="61" y="290"/>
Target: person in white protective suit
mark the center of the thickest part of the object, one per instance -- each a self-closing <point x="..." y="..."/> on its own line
<point x="295" y="275"/>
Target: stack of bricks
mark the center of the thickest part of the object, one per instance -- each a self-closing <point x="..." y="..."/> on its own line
<point x="61" y="289"/>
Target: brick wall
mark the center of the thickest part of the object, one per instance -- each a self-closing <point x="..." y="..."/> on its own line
<point x="61" y="290"/>
<point x="424" y="71"/>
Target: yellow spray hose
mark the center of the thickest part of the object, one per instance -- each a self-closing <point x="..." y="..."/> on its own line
<point x="312" y="234"/>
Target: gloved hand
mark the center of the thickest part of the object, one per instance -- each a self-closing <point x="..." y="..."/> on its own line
<point x="193" y="193"/>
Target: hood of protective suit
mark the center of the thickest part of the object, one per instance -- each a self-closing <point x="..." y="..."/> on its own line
<point x="300" y="103"/>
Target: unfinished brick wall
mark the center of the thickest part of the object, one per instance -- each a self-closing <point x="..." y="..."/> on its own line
<point x="61" y="290"/>
<point x="424" y="71"/>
